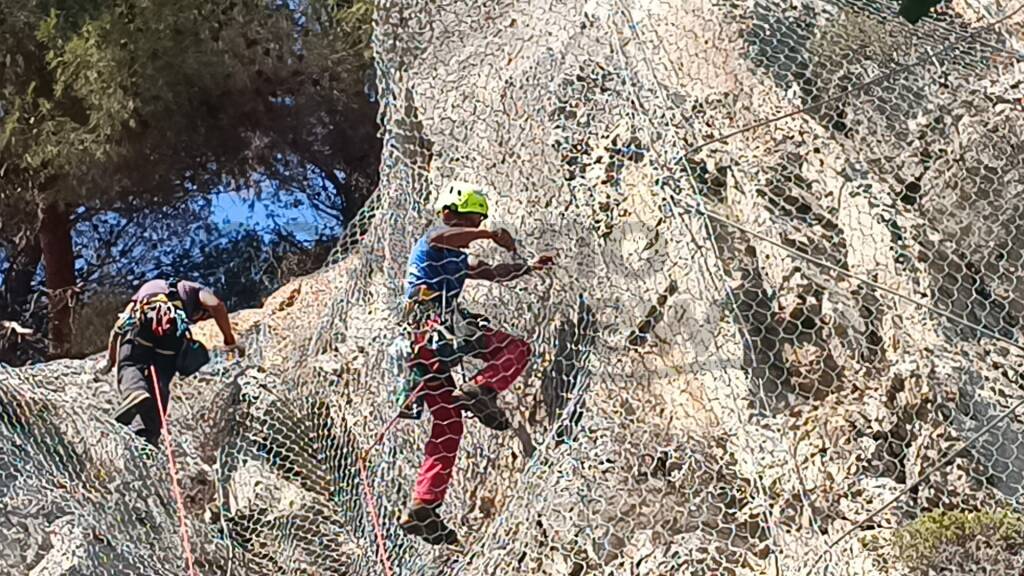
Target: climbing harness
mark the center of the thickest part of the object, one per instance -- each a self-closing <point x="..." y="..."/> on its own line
<point x="165" y="314"/>
<point x="450" y="333"/>
<point x="166" y="310"/>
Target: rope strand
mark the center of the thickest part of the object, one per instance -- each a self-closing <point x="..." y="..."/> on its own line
<point x="368" y="495"/>
<point x="166" y="433"/>
<point x="371" y="506"/>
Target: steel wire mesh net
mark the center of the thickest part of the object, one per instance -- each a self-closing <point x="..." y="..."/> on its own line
<point x="780" y="337"/>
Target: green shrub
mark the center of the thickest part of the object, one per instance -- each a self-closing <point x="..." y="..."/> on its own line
<point x="960" y="542"/>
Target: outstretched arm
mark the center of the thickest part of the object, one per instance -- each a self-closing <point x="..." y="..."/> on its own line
<point x="506" y="272"/>
<point x="459" y="238"/>
<point x="219" y="312"/>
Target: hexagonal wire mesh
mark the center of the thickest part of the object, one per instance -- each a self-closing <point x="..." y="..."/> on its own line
<point x="781" y="335"/>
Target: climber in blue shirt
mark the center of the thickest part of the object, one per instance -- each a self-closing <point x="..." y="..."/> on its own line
<point x="442" y="333"/>
<point x="435" y="268"/>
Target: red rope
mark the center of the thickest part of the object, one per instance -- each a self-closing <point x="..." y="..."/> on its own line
<point x="371" y="504"/>
<point x="166" y="433"/>
<point x="382" y="550"/>
<point x="387" y="427"/>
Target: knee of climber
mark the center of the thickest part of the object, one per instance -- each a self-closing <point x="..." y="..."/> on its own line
<point x="524" y="352"/>
<point x="447" y="424"/>
<point x="519" y="351"/>
<point x="454" y="428"/>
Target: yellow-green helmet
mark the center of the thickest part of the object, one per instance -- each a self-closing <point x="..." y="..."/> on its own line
<point x="464" y="198"/>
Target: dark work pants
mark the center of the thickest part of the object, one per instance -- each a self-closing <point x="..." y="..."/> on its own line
<point x="141" y="352"/>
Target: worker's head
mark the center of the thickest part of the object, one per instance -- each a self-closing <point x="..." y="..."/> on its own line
<point x="462" y="204"/>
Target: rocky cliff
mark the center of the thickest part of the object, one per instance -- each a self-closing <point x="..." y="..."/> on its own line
<point x="783" y="336"/>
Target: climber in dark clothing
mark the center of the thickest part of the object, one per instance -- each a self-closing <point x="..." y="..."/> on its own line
<point x="146" y="343"/>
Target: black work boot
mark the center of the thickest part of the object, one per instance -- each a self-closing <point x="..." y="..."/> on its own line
<point x="483" y="403"/>
<point x="422" y="520"/>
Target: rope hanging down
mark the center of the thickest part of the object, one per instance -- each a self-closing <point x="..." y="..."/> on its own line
<point x="369" y="496"/>
<point x="166" y="433"/>
<point x="371" y="506"/>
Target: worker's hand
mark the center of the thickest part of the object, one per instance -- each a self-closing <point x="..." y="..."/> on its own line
<point x="542" y="262"/>
<point x="504" y="238"/>
<point x="103" y="367"/>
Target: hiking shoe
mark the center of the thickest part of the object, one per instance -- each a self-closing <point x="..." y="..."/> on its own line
<point x="483" y="403"/>
<point x="421" y="520"/>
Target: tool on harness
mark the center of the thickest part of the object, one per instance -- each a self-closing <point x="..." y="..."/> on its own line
<point x="162" y="315"/>
<point x="165" y="312"/>
<point x="192" y="356"/>
<point x="459" y="335"/>
<point x="406" y="378"/>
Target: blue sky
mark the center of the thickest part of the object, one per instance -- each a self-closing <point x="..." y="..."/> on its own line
<point x="234" y="211"/>
<point x="231" y="211"/>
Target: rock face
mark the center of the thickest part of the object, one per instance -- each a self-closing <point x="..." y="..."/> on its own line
<point x="773" y="338"/>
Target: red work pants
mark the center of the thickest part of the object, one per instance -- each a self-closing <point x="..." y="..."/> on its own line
<point x="505" y="359"/>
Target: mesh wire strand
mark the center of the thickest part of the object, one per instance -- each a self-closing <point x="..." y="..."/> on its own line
<point x="782" y="335"/>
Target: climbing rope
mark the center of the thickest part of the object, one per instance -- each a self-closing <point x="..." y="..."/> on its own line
<point x="166" y="433"/>
<point x="371" y="505"/>
<point x="368" y="495"/>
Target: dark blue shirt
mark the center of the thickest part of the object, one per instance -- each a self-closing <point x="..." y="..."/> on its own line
<point x="440" y="270"/>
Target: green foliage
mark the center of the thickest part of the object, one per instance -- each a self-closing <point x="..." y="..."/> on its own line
<point x="939" y="539"/>
<point x="125" y="105"/>
<point x="92" y="320"/>
<point x="242" y="267"/>
<point x="112" y="102"/>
